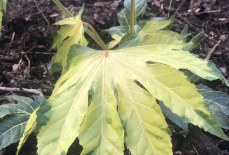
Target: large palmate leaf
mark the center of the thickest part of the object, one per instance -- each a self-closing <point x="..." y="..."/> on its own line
<point x="13" y="118"/>
<point x="72" y="33"/>
<point x="101" y="86"/>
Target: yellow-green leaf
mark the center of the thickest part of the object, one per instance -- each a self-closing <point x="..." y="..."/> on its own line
<point x="114" y="42"/>
<point x="98" y="80"/>
<point x="174" y="56"/>
<point x="101" y="132"/>
<point x="147" y="132"/>
<point x="29" y="128"/>
<point x="155" y="25"/>
<point x="72" y="33"/>
<point x="74" y="89"/>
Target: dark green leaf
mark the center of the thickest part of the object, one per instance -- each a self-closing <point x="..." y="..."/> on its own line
<point x="13" y="118"/>
<point x="174" y="118"/>
<point x="218" y="103"/>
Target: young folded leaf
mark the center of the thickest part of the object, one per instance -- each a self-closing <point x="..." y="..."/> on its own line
<point x="72" y="33"/>
<point x="14" y="118"/>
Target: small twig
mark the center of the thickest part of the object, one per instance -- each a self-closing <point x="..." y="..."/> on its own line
<point x="32" y="48"/>
<point x="179" y="7"/>
<point x="204" y="12"/>
<point x="24" y="90"/>
<point x="27" y="69"/>
<point x="212" y="50"/>
<point x="170" y="4"/>
<point x="12" y="38"/>
<point x="195" y="150"/>
<point x="42" y="53"/>
<point x="194" y="24"/>
<point x="49" y="26"/>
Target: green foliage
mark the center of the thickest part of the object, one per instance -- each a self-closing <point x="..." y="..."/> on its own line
<point x="109" y="77"/>
<point x="13" y="118"/>
<point x="124" y="17"/>
<point x="140" y="7"/>
<point x="101" y="94"/>
<point x="3" y="4"/>
<point x="218" y="103"/>
<point x="72" y="33"/>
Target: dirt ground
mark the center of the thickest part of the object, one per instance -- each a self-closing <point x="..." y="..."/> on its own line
<point x="27" y="33"/>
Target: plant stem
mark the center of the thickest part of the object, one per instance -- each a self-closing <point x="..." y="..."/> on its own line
<point x="132" y="16"/>
<point x="93" y="33"/>
<point x="57" y="2"/>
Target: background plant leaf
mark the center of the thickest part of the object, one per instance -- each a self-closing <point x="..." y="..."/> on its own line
<point x="14" y="118"/>
<point x="174" y="118"/>
<point x="154" y="25"/>
<point x="140" y="7"/>
<point x="218" y="102"/>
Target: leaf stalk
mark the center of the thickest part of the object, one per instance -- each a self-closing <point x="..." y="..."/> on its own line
<point x="132" y="16"/>
<point x="63" y="8"/>
<point x="94" y="34"/>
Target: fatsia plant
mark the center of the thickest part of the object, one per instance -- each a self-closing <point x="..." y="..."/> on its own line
<point x="109" y="98"/>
